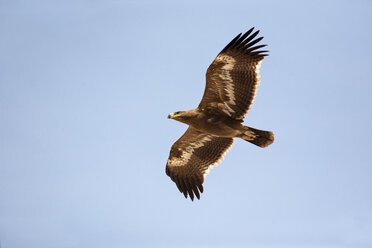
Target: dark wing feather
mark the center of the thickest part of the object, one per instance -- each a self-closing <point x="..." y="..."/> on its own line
<point x="190" y="158"/>
<point x="233" y="77"/>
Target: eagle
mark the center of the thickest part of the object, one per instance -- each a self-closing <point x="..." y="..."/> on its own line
<point x="231" y="85"/>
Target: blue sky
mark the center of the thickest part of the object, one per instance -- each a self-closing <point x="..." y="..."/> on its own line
<point x="85" y="88"/>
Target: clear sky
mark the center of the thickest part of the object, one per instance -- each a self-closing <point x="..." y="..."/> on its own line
<point x="85" y="89"/>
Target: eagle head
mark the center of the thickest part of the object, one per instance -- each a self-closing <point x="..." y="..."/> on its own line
<point x="184" y="116"/>
<point x="175" y="115"/>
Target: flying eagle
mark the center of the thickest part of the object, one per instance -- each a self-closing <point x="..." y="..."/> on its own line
<point x="231" y="86"/>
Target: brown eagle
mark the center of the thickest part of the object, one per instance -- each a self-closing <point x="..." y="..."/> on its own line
<point x="231" y="86"/>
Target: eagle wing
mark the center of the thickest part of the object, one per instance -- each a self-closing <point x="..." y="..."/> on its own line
<point x="233" y="77"/>
<point x="191" y="157"/>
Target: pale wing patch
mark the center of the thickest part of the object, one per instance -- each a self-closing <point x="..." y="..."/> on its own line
<point x="227" y="60"/>
<point x="218" y="161"/>
<point x="187" y="152"/>
<point x="228" y="85"/>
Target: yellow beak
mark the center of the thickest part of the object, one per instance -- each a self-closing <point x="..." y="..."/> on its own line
<point x="172" y="115"/>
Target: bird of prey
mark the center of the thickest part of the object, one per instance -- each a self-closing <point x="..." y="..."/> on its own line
<point x="231" y="85"/>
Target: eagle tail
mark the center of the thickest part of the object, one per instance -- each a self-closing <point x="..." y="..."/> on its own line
<point x="258" y="137"/>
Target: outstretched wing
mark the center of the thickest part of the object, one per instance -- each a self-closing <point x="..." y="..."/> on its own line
<point x="233" y="77"/>
<point x="190" y="158"/>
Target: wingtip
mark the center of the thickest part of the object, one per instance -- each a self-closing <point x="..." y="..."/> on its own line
<point x="200" y="187"/>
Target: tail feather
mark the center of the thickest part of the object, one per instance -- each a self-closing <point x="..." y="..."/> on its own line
<point x="258" y="137"/>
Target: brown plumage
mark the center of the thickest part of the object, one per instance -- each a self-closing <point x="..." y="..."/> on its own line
<point x="231" y="85"/>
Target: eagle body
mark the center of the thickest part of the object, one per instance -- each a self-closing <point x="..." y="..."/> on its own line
<point x="218" y="125"/>
<point x="231" y="85"/>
